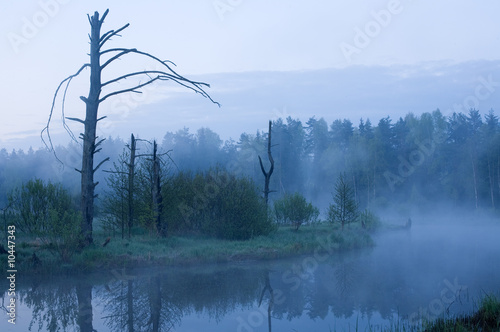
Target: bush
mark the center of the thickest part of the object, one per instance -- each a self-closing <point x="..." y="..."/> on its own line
<point x="368" y="220"/>
<point x="178" y="193"/>
<point x="293" y="209"/>
<point x="236" y="211"/>
<point x="48" y="212"/>
<point x="215" y="203"/>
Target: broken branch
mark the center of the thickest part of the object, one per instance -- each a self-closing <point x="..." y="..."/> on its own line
<point x="76" y="119"/>
<point x="99" y="165"/>
<point x="110" y="34"/>
<point x="127" y="90"/>
<point x="46" y="128"/>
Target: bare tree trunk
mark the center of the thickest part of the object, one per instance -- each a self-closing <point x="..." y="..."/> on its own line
<point x="89" y="136"/>
<point x="131" y="176"/>
<point x="267" y="175"/>
<point x="122" y="210"/>
<point x="156" y="193"/>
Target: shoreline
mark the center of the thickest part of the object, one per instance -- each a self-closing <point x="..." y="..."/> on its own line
<point x="146" y="251"/>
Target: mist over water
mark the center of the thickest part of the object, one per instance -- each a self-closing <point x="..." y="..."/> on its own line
<point x="383" y="129"/>
<point x="441" y="266"/>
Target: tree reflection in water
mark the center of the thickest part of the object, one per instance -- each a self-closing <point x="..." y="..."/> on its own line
<point x="84" y="296"/>
<point x="267" y="287"/>
<point x="160" y="300"/>
<point x="342" y="288"/>
<point x="55" y="306"/>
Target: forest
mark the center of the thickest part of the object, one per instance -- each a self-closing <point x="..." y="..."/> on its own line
<point x="415" y="162"/>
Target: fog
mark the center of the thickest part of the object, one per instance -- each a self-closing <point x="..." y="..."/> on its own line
<point x="398" y="100"/>
<point x="442" y="266"/>
<point x="419" y="163"/>
<point x="442" y="172"/>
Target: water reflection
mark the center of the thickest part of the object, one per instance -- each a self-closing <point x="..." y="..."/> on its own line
<point x="53" y="306"/>
<point x="269" y="289"/>
<point x="84" y="298"/>
<point x="373" y="286"/>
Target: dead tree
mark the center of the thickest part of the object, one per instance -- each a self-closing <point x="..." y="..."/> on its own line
<point x="154" y="184"/>
<point x="156" y="194"/>
<point x="127" y="190"/>
<point x="267" y="175"/>
<point x="100" y="59"/>
<point x="131" y="178"/>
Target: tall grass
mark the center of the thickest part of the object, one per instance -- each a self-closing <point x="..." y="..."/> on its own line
<point x="147" y="250"/>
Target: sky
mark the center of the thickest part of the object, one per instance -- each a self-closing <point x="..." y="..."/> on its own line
<point x="273" y="55"/>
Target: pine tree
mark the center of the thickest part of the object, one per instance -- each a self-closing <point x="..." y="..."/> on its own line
<point x="344" y="208"/>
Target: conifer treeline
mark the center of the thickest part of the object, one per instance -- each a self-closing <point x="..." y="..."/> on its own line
<point x="415" y="160"/>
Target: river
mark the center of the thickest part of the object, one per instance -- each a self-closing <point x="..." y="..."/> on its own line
<point x="426" y="272"/>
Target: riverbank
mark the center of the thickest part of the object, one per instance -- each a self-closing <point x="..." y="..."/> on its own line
<point x="485" y="318"/>
<point x="145" y="250"/>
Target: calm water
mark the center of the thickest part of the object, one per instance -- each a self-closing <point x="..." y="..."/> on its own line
<point x="427" y="272"/>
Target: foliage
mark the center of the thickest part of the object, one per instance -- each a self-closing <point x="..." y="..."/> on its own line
<point x="48" y="212"/>
<point x="215" y="203"/>
<point x="294" y="209"/>
<point x="115" y="205"/>
<point x="128" y="202"/>
<point x="344" y="208"/>
<point x="236" y="211"/>
<point x="369" y="220"/>
<point x="420" y="160"/>
<point x="64" y="234"/>
<point x="486" y="318"/>
<point x="152" y="214"/>
<point x="178" y="193"/>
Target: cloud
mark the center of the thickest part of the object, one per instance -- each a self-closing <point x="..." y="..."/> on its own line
<point x="250" y="99"/>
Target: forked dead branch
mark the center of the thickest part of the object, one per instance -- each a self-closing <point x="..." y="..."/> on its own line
<point x="92" y="102"/>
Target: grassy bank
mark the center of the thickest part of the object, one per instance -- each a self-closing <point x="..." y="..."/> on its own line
<point x="145" y="250"/>
<point x="486" y="318"/>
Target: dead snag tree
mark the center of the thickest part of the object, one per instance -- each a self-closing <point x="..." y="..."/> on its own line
<point x="122" y="181"/>
<point x="156" y="194"/>
<point x="267" y="175"/>
<point x="131" y="178"/>
<point x="101" y="58"/>
<point x="154" y="178"/>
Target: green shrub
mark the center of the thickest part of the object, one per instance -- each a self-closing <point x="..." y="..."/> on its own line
<point x="369" y="220"/>
<point x="293" y="209"/>
<point x="178" y="194"/>
<point x="215" y="203"/>
<point x="48" y="212"/>
<point x="236" y="211"/>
